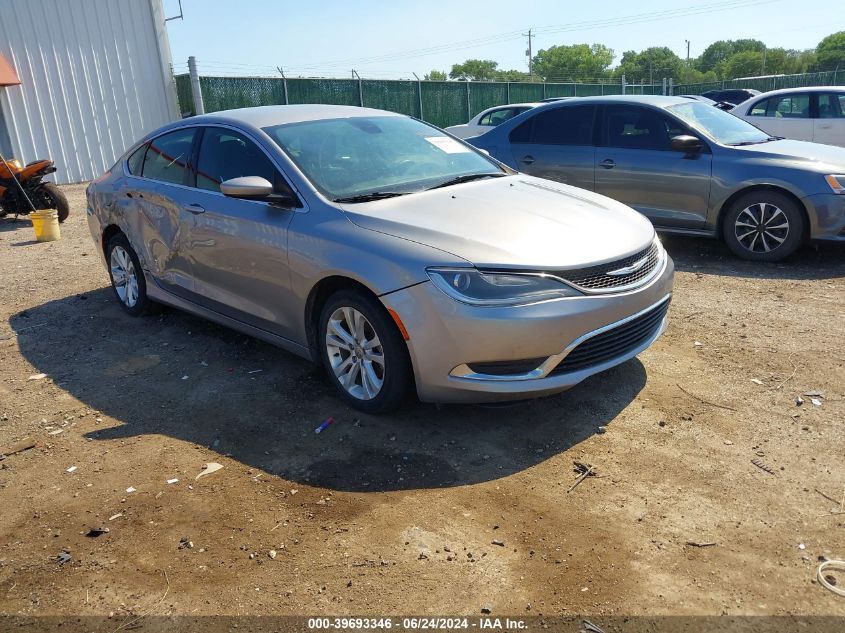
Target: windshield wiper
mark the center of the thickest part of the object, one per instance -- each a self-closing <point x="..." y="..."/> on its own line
<point x="373" y="195"/>
<point x="465" y="178"/>
<point x="766" y="140"/>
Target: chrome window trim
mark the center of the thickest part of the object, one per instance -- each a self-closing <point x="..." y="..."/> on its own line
<point x="196" y="127"/>
<point x="545" y="368"/>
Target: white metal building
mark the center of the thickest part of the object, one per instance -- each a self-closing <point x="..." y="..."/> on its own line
<point x="95" y="75"/>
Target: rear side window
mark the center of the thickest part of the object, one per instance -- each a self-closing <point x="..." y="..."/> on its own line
<point x="785" y="106"/>
<point x="497" y="117"/>
<point x="168" y="155"/>
<point x="226" y="154"/>
<point x="831" y="106"/>
<point x="572" y="125"/>
<point x="136" y="161"/>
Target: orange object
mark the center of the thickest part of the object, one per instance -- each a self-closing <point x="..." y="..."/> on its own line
<point x="8" y="76"/>
<point x="399" y="324"/>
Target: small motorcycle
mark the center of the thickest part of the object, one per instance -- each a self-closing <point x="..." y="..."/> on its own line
<point x="22" y="187"/>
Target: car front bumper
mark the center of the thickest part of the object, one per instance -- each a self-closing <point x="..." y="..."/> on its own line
<point x="449" y="340"/>
<point x="827" y="216"/>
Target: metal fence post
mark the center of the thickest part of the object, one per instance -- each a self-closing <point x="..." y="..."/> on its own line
<point x="196" y="89"/>
<point x="419" y="95"/>
<point x="284" y="83"/>
<point x="544" y="90"/>
<point x="574" y="89"/>
<point x="671" y="86"/>
<point x="623" y="83"/>
<point x="360" y="88"/>
<point x="469" y="107"/>
<point x="664" y="87"/>
<point x="508" y="88"/>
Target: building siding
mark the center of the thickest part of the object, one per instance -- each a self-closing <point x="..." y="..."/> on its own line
<point x="95" y="77"/>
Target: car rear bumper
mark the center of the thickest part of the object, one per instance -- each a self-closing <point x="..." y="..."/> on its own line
<point x="464" y="353"/>
<point x="827" y="216"/>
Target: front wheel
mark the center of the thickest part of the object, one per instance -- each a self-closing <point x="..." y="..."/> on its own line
<point x="51" y="197"/>
<point x="763" y="226"/>
<point x="363" y="352"/>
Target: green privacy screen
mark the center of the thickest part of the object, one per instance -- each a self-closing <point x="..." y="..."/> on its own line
<point x="442" y="103"/>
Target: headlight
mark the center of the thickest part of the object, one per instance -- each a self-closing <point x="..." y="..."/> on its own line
<point x="836" y="182"/>
<point x="474" y="287"/>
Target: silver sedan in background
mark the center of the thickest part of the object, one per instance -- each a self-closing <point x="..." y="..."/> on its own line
<point x="391" y="253"/>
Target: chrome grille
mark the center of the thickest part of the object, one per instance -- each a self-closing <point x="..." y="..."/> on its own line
<point x="599" y="277"/>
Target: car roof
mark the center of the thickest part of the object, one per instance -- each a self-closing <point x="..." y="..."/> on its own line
<point x="659" y="101"/>
<point x="264" y="116"/>
<point x="784" y="91"/>
<point x="512" y="105"/>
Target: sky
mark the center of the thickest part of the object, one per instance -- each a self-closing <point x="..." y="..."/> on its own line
<point x="394" y="39"/>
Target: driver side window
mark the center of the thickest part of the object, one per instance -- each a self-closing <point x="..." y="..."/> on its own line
<point x="226" y="154"/>
<point x="633" y="127"/>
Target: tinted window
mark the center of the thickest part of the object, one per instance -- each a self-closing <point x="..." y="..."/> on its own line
<point x="497" y="117"/>
<point x="831" y="106"/>
<point x="784" y="106"/>
<point x="522" y="132"/>
<point x="226" y="154"/>
<point x="136" y="161"/>
<point x="167" y="157"/>
<point x="559" y="126"/>
<point x="633" y="127"/>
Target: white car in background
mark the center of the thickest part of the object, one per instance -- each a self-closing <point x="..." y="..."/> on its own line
<point x="487" y="119"/>
<point x="805" y="114"/>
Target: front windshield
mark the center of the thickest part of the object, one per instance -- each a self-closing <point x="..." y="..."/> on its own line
<point x="357" y="156"/>
<point x="719" y="125"/>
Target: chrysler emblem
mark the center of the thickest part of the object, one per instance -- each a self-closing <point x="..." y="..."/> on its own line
<point x="629" y="269"/>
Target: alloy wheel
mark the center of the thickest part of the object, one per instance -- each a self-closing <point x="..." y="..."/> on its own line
<point x="355" y="353"/>
<point x="761" y="227"/>
<point x="124" y="276"/>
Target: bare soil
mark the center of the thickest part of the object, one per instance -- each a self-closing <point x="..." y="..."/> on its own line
<point x="399" y="514"/>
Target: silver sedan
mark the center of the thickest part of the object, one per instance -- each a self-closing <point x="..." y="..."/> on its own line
<point x="391" y="253"/>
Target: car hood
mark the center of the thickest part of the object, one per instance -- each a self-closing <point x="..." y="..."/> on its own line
<point x="516" y="222"/>
<point x="808" y="155"/>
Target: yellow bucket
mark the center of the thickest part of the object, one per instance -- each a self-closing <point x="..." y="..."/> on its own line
<point x="46" y="225"/>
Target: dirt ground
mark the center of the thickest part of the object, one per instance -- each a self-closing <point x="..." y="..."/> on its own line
<point x="436" y="510"/>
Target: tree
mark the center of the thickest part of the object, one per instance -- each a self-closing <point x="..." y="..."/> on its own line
<point x="512" y="75"/>
<point x="580" y="61"/>
<point x="650" y="65"/>
<point x="435" y="75"/>
<point x="744" y="64"/>
<point x="475" y="70"/>
<point x="716" y="55"/>
<point x="831" y="52"/>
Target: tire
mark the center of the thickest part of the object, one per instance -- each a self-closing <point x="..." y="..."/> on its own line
<point x="744" y="223"/>
<point x="373" y="386"/>
<point x="121" y="258"/>
<point x="51" y="197"/>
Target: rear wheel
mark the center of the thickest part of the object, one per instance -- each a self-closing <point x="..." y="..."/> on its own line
<point x="763" y="226"/>
<point x="49" y="196"/>
<point x="363" y="353"/>
<point x="127" y="278"/>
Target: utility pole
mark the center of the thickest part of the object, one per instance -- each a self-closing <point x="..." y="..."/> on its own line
<point x="530" y="55"/>
<point x="687" y="41"/>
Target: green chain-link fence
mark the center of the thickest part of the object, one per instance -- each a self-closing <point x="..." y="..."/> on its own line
<point x="764" y="84"/>
<point x="442" y="103"/>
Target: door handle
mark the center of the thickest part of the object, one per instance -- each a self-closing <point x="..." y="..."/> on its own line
<point x="528" y="159"/>
<point x="196" y="209"/>
<point x="608" y="163"/>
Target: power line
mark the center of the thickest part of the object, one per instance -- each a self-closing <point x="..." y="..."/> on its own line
<point x="576" y="26"/>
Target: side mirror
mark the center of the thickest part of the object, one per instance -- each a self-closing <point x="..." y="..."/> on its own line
<point x="251" y="187"/>
<point x="686" y="143"/>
